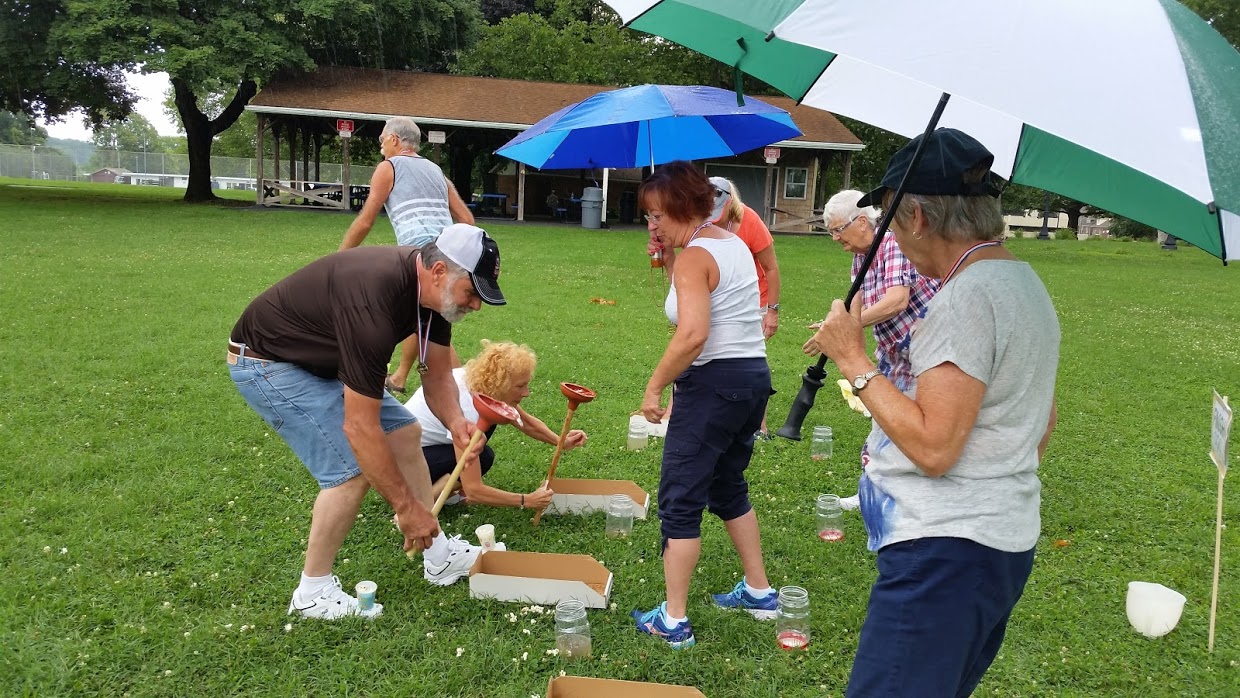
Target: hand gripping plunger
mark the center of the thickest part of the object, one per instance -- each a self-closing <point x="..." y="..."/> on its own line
<point x="490" y="411"/>
<point x="577" y="395"/>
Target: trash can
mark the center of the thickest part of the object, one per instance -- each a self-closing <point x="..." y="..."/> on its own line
<point x="592" y="208"/>
<point x="628" y="207"/>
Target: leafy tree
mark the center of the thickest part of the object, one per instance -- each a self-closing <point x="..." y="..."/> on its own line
<point x="495" y="10"/>
<point x="1126" y="227"/>
<point x="38" y="80"/>
<point x="16" y="129"/>
<point x="134" y="134"/>
<point x="80" y="151"/>
<point x="1223" y="15"/>
<point x="220" y="46"/>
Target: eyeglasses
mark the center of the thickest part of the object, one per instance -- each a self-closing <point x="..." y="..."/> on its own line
<point x="653" y="218"/>
<point x="835" y="232"/>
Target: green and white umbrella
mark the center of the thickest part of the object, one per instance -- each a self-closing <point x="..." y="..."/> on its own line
<point x="1132" y="106"/>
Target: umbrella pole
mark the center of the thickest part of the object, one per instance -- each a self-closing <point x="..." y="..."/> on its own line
<point x="812" y="380"/>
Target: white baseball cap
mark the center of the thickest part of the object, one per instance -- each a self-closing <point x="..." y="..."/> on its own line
<point x="472" y="249"/>
<point x="723" y="194"/>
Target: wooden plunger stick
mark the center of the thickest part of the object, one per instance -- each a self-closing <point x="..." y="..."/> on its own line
<point x="490" y="411"/>
<point x="576" y="394"/>
<point x="1218" y="550"/>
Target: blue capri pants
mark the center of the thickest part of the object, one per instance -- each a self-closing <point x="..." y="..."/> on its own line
<point x="719" y="407"/>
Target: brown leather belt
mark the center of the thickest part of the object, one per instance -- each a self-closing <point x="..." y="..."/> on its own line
<point x="235" y="350"/>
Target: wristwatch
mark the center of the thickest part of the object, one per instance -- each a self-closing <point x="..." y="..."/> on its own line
<point x="860" y="382"/>
<point x="773" y="306"/>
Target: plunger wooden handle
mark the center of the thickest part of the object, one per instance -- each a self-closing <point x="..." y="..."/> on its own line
<point x="456" y="472"/>
<point x="559" y="449"/>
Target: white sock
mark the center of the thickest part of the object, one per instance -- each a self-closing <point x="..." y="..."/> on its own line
<point x="310" y="586"/>
<point x="755" y="592"/>
<point x="669" y="621"/>
<point x="437" y="554"/>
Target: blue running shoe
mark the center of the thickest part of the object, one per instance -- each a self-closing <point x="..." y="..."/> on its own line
<point x="763" y="608"/>
<point x="651" y="622"/>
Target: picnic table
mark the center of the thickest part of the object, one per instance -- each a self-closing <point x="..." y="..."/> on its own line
<point x="493" y="205"/>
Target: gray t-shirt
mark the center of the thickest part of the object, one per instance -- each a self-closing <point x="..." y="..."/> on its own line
<point x="418" y="204"/>
<point x="996" y="323"/>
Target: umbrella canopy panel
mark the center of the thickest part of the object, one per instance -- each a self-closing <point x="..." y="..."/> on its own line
<point x="633" y="126"/>
<point x="1162" y="147"/>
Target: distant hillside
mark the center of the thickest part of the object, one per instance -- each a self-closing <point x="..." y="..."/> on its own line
<point x="80" y="151"/>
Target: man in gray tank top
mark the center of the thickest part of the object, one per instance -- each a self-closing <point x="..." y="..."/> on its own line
<point x="420" y="203"/>
<point x="420" y="200"/>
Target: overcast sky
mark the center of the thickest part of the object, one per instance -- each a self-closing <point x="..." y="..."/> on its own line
<point x="150" y="90"/>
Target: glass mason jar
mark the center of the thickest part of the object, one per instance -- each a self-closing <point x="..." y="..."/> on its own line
<point x="820" y="444"/>
<point x="572" y="630"/>
<point x="792" y="619"/>
<point x="637" y="436"/>
<point x="830" y="518"/>
<point x="619" y="516"/>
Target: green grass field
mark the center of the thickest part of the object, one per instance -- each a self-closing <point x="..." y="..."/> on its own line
<point x="152" y="527"/>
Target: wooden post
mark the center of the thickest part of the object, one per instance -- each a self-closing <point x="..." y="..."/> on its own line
<point x="521" y="191"/>
<point x="258" y="157"/>
<point x="848" y="158"/>
<point x="292" y="156"/>
<point x="275" y="159"/>
<point x="346" y="197"/>
<point x="318" y="151"/>
<point x="305" y="154"/>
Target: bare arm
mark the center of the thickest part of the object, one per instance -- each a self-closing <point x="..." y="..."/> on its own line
<point x="535" y="428"/>
<point x="378" y="464"/>
<point x="893" y="302"/>
<point x="931" y="430"/>
<point x="770" y="318"/>
<point x="380" y="188"/>
<point x="457" y="207"/>
<point x="693" y="286"/>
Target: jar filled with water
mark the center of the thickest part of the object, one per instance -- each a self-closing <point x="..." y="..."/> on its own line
<point x="638" y="435"/>
<point x="572" y="630"/>
<point x="820" y="445"/>
<point x="619" y="516"/>
<point x="792" y="619"/>
<point x="830" y="518"/>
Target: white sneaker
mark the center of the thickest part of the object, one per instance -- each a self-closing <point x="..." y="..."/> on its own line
<point x="330" y="603"/>
<point x="461" y="556"/>
<point x="852" y="503"/>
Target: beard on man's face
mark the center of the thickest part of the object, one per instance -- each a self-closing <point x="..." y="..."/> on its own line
<point x="453" y="312"/>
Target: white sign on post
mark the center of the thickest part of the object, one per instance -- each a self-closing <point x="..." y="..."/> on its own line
<point x="1220" y="432"/>
<point x="436" y="137"/>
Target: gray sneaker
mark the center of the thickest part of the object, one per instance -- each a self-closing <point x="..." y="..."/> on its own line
<point x="461" y="556"/>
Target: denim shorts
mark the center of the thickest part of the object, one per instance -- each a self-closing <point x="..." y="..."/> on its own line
<point x="308" y="413"/>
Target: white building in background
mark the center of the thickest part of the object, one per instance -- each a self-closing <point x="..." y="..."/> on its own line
<point x="1029" y="223"/>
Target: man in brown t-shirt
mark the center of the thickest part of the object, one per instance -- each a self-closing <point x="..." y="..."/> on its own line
<point x="310" y="355"/>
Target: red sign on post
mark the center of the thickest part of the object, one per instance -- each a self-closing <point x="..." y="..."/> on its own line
<point x="344" y="127"/>
<point x="771" y="153"/>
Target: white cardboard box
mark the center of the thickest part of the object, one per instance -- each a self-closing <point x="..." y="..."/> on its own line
<point x="589" y="496"/>
<point x="540" y="578"/>
<point x="582" y="687"/>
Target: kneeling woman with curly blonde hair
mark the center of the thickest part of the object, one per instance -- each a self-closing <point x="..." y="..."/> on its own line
<point x="502" y="370"/>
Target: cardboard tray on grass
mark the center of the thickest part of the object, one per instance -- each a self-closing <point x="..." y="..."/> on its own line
<point x="589" y="496"/>
<point x="581" y="687"/>
<point x="540" y="578"/>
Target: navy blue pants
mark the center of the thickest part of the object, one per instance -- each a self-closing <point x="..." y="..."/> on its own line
<point x="719" y="406"/>
<point x="936" y="617"/>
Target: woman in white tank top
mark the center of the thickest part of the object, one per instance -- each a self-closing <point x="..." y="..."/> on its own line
<point x="717" y="360"/>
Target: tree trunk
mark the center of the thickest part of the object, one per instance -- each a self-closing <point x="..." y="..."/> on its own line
<point x="200" y="131"/>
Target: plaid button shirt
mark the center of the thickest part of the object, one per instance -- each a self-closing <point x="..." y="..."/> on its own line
<point x="892" y="268"/>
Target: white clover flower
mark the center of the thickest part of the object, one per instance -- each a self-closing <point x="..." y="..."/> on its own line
<point x="525" y="656"/>
<point x="613" y="605"/>
<point x="228" y="626"/>
<point x="430" y="636"/>
<point x="47" y="548"/>
<point x="167" y="604"/>
<point x="525" y="630"/>
<point x="64" y="551"/>
<point x="244" y="628"/>
<point x="167" y="672"/>
<point x="193" y="585"/>
<point x="186" y="633"/>
<point x="460" y="651"/>
<point x="562" y="672"/>
<point x="344" y="561"/>
<point x="554" y="652"/>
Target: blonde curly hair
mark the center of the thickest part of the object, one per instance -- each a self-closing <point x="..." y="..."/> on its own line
<point x="494" y="369"/>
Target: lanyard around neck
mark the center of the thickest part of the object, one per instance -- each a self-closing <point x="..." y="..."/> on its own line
<point x="965" y="256"/>
<point x="422" y="338"/>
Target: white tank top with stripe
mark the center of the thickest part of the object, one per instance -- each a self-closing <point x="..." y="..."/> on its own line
<point x="418" y="204"/>
<point x="735" y="313"/>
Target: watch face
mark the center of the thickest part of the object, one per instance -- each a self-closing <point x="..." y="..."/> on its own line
<point x="859" y="382"/>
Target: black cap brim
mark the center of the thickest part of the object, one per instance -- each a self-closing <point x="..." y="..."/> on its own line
<point x="488" y="290"/>
<point x="874" y="198"/>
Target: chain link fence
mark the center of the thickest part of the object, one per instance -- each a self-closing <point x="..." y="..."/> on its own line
<point x="40" y="162"/>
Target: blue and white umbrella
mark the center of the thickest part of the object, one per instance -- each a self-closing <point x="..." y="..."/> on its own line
<point x="650" y="124"/>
